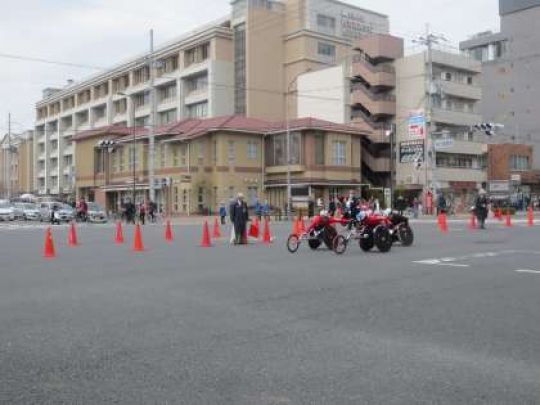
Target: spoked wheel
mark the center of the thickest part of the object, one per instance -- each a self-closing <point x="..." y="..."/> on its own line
<point x="366" y="241"/>
<point x="314" y="244"/>
<point x="293" y="243"/>
<point x="406" y="235"/>
<point x="340" y="244"/>
<point x="383" y="239"/>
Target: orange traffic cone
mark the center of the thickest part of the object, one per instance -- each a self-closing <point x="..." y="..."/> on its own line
<point x="302" y="226"/>
<point x="119" y="233"/>
<point x="508" y="219"/>
<point x="217" y="231"/>
<point x="254" y="229"/>
<point x="138" y="242"/>
<point x="267" y="238"/>
<point x="49" y="252"/>
<point x="168" y="232"/>
<point x="443" y="224"/>
<point x="296" y="229"/>
<point x="500" y="214"/>
<point x="472" y="222"/>
<point x="530" y="217"/>
<point x="206" y="236"/>
<point x="72" y="236"/>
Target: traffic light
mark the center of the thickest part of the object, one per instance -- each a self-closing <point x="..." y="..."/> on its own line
<point x="487" y="127"/>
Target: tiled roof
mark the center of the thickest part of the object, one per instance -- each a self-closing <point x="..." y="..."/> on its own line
<point x="194" y="127"/>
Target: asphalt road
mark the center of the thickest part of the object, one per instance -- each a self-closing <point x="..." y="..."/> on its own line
<point x="455" y="319"/>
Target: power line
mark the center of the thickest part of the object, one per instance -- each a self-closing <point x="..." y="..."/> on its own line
<point x="49" y="61"/>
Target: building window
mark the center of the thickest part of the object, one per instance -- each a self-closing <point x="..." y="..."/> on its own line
<point x="120" y="83"/>
<point x="198" y="110"/>
<point x="252" y="196"/>
<point x="141" y="75"/>
<point x="167" y="65"/>
<point x="240" y="69"/>
<point x="202" y="152"/>
<point x="100" y="112"/>
<point x="184" y="200"/>
<point x="327" y="51"/>
<point x="197" y="84"/>
<point x="141" y="99"/>
<point x="519" y="163"/>
<point x="326" y="24"/>
<point x="183" y="155"/>
<point x="197" y="54"/>
<point x="231" y="153"/>
<point x="142" y="121"/>
<point x="166" y="117"/>
<point x="319" y="149"/>
<point x="120" y="106"/>
<point x="252" y="147"/>
<point x="162" y="155"/>
<point x="133" y="157"/>
<point x="339" y="149"/>
<point x="167" y="94"/>
<point x="200" y="199"/>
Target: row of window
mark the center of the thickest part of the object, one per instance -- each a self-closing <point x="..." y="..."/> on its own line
<point x="178" y="155"/>
<point x="164" y="66"/>
<point x="519" y="163"/>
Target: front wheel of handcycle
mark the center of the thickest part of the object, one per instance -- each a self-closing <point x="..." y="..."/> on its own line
<point x="314" y="244"/>
<point x="293" y="243"/>
<point x="340" y="244"/>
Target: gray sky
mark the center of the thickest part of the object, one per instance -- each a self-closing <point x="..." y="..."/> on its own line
<point x="105" y="32"/>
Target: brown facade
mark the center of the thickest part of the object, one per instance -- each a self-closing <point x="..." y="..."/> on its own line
<point x="199" y="169"/>
<point x="507" y="160"/>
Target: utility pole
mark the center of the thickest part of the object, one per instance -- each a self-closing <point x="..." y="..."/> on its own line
<point x="151" y="141"/>
<point x="9" y="158"/>
<point x="428" y="40"/>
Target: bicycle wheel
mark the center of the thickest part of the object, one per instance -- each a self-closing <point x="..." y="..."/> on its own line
<point x="293" y="243"/>
<point x="340" y="244"/>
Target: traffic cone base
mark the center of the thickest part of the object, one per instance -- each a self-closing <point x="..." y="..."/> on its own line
<point x="472" y="222"/>
<point x="137" y="242"/>
<point x="530" y="217"/>
<point x="49" y="251"/>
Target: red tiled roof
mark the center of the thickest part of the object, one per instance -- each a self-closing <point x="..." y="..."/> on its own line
<point x="194" y="127"/>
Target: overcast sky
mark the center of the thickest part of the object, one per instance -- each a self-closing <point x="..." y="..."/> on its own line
<point x="104" y="32"/>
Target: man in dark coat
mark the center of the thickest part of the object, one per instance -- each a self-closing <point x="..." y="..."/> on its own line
<point x="481" y="208"/>
<point x="239" y="217"/>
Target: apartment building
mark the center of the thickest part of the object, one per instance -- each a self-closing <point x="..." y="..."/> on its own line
<point x="361" y="92"/>
<point x="202" y="163"/>
<point x="511" y="68"/>
<point x="16" y="164"/>
<point x="246" y="64"/>
<point x="437" y="123"/>
<point x="193" y="78"/>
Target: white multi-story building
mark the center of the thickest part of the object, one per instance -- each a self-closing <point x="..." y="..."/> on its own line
<point x="193" y="78"/>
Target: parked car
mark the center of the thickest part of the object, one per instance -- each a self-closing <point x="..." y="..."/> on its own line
<point x="96" y="214"/>
<point x="18" y="211"/>
<point x="65" y="212"/>
<point x="7" y="213"/>
<point x="30" y="211"/>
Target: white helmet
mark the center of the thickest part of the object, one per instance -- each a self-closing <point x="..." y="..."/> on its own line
<point x="323" y="213"/>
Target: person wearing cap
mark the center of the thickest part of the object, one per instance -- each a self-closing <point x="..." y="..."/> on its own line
<point x="239" y="218"/>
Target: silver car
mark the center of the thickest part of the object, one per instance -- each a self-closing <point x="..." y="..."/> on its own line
<point x="30" y="211"/>
<point x="64" y="212"/>
<point x="7" y="213"/>
<point x="96" y="214"/>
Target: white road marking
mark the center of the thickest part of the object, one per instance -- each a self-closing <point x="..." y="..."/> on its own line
<point x="528" y="271"/>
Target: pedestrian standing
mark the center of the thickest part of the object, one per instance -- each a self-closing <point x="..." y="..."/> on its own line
<point x="142" y="213"/>
<point x="222" y="212"/>
<point x="239" y="217"/>
<point x="481" y="208"/>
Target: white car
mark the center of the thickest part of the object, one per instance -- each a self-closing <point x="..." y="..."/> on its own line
<point x="30" y="211"/>
<point x="7" y="213"/>
<point x="96" y="214"/>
